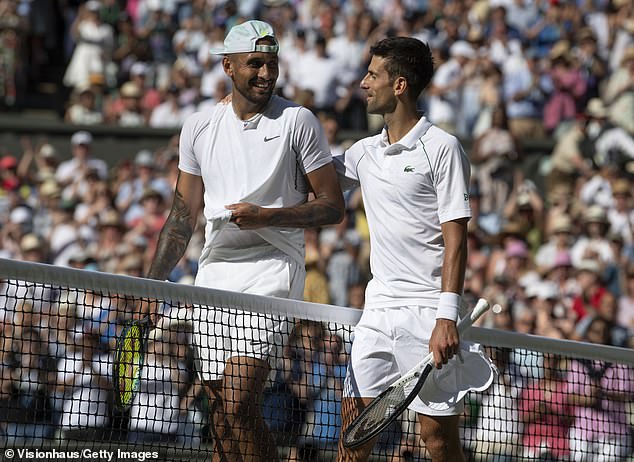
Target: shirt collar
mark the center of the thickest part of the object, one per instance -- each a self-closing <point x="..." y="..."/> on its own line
<point x="408" y="142"/>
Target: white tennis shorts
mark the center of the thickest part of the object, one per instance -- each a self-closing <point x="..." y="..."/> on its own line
<point x="219" y="334"/>
<point x="387" y="343"/>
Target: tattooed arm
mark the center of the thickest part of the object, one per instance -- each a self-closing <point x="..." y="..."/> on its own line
<point x="179" y="227"/>
<point x="326" y="208"/>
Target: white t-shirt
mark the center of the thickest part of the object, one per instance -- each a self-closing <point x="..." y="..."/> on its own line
<point x="444" y="108"/>
<point x="262" y="161"/>
<point x="409" y="188"/>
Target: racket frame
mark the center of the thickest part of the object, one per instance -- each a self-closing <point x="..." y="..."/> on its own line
<point x="118" y="380"/>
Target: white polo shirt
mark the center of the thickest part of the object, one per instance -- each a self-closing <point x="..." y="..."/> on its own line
<point x="262" y="161"/>
<point x="409" y="188"/>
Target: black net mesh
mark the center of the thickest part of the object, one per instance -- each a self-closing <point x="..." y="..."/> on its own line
<point x="57" y="397"/>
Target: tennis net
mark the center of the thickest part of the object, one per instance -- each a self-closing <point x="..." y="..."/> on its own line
<point x="552" y="399"/>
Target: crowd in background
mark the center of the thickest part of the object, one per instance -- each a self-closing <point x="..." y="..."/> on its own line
<point x="554" y="246"/>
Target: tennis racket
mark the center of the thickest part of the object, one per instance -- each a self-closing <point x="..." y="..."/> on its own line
<point x="386" y="407"/>
<point x="129" y="359"/>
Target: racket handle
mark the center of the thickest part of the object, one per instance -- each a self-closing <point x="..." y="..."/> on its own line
<point x="481" y="307"/>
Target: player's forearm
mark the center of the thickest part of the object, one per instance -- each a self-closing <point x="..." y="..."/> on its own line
<point x="454" y="263"/>
<point x="173" y="240"/>
<point x="318" y="212"/>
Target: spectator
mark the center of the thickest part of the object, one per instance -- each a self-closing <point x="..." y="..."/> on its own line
<point x="132" y="113"/>
<point x="30" y="422"/>
<point x="493" y="154"/>
<point x="590" y="288"/>
<point x="599" y="391"/>
<point x="319" y="73"/>
<point x="145" y="176"/>
<point x="170" y="114"/>
<point x="546" y="413"/>
<point x="83" y="377"/>
<point x="156" y="414"/>
<point x="498" y="422"/>
<point x="592" y="243"/>
<point x="73" y="170"/>
<point x="84" y="110"/>
<point x="524" y="95"/>
<point x="619" y="92"/>
<point x="625" y="315"/>
<point x="612" y="144"/>
<point x="150" y="96"/>
<point x="557" y="245"/>
<point x="94" y="42"/>
<point x="567" y="86"/>
<point x="621" y="216"/>
<point x="445" y="91"/>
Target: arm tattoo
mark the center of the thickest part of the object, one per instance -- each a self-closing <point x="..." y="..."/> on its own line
<point x="317" y="212"/>
<point x="174" y="238"/>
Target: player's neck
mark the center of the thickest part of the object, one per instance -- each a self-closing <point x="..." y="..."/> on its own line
<point x="400" y="122"/>
<point x="245" y="109"/>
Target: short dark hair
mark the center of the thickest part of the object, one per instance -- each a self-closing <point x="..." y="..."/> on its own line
<point x="406" y="57"/>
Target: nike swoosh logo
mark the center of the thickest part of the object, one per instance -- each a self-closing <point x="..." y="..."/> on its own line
<point x="271" y="138"/>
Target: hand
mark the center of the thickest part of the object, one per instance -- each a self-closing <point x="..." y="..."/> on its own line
<point x="444" y="342"/>
<point x="248" y="216"/>
<point x="150" y="309"/>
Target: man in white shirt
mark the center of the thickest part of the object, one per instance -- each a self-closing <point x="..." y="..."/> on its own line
<point x="446" y="90"/>
<point x="414" y="179"/>
<point x="252" y="162"/>
<point x="74" y="169"/>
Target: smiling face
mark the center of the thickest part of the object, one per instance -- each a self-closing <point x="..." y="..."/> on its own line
<point x="379" y="88"/>
<point x="253" y="74"/>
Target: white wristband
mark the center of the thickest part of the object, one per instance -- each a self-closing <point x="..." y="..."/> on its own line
<point x="448" y="306"/>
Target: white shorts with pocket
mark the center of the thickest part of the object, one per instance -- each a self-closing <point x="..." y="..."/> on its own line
<point x="219" y="334"/>
<point x="387" y="343"/>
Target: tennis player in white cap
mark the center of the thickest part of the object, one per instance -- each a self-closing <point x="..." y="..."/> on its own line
<point x="252" y="162"/>
<point x="414" y="178"/>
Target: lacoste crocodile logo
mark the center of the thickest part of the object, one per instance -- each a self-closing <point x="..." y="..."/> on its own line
<point x="408" y="168"/>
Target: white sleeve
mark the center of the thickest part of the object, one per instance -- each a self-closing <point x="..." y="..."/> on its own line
<point x="193" y="127"/>
<point x="346" y="166"/>
<point x="309" y="141"/>
<point x="452" y="175"/>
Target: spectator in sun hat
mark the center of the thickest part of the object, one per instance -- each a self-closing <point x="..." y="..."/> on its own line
<point x="558" y="238"/>
<point x="132" y="113"/>
<point x="111" y="230"/>
<point x="73" y="170"/>
<point x="33" y="248"/>
<point x="84" y="110"/>
<point x="561" y="273"/>
<point x="612" y="144"/>
<point x="592" y="244"/>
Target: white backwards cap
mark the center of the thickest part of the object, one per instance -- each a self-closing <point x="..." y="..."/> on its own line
<point x="242" y="38"/>
<point x="446" y="387"/>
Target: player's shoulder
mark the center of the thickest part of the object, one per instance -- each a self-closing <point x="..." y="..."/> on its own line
<point x="282" y="107"/>
<point x="440" y="139"/>
<point x="365" y="143"/>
